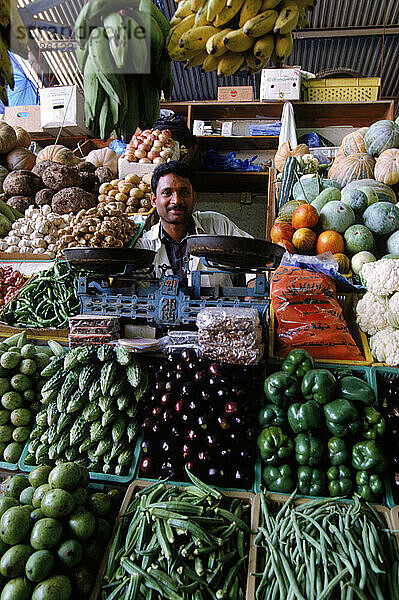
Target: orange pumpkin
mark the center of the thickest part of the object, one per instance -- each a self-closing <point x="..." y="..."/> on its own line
<point x="304" y="239"/>
<point x="285" y="151"/>
<point x="387" y="167"/>
<point x="352" y="167"/>
<point x="281" y="231"/>
<point x="354" y="142"/>
<point x="305" y="216"/>
<point x="344" y="264"/>
<point x="330" y="241"/>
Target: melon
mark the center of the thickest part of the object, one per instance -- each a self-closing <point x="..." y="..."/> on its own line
<point x="327" y="195"/>
<point x="336" y="216"/>
<point x="287" y="210"/>
<point x="380" y="136"/>
<point x="309" y="187"/>
<point x="393" y="243"/>
<point x="358" y="238"/>
<point x="384" y="192"/>
<point x="356" y="199"/>
<point x="360" y="259"/>
<point x="381" y="218"/>
<point x="371" y="194"/>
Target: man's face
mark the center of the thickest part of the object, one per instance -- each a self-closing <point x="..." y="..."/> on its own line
<point x="174" y="199"/>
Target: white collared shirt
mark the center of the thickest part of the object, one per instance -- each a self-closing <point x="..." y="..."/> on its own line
<point x="209" y="222"/>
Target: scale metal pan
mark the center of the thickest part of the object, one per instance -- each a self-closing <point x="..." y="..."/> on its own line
<point x="109" y="260"/>
<point x="233" y="251"/>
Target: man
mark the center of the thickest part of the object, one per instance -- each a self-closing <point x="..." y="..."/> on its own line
<point x="174" y="199"/>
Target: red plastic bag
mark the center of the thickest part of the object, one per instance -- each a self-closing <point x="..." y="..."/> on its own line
<point x="309" y="315"/>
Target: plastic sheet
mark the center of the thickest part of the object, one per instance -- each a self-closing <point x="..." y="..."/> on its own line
<point x="229" y="162"/>
<point x="229" y="318"/>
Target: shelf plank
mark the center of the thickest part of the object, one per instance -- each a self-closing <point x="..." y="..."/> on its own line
<point x="238" y="142"/>
<point x="231" y="181"/>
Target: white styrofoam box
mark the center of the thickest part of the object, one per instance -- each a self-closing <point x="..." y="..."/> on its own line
<point x="63" y="106"/>
<point x="27" y="117"/>
<point x="280" y="84"/>
<point x="125" y="166"/>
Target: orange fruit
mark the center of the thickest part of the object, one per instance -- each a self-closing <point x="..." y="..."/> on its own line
<point x="330" y="241"/>
<point x="281" y="231"/>
<point x="305" y="216"/>
<point x="344" y="264"/>
<point x="304" y="239"/>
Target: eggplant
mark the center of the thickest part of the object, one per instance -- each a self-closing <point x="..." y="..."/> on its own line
<point x="231" y="408"/>
<point x="166" y="399"/>
<point x="215" y="370"/>
<point x="192" y="434"/>
<point x="168" y="415"/>
<point x="223" y="394"/>
<point x="216" y="475"/>
<point x="175" y="433"/>
<point x="204" y="421"/>
<point x="166" y="447"/>
<point x="147" y="446"/>
<point x="159" y="386"/>
<point x="188" y="355"/>
<point x="147" y="465"/>
<point x="168" y="469"/>
<point x="188" y="389"/>
<point x="180" y="405"/>
<point x="147" y="424"/>
<point x="170" y="385"/>
<point x="180" y="367"/>
<point x="224" y="422"/>
<point x="212" y="440"/>
<point x="204" y="457"/>
<point x="206" y="394"/>
<point x="156" y="411"/>
<point x="199" y="377"/>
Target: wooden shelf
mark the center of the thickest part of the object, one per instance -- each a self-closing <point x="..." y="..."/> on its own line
<point x="238" y="142"/>
<point x="232" y="181"/>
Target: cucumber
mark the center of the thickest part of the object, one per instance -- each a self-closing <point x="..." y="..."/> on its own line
<point x="10" y="360"/>
<point x="28" y="351"/>
<point x="42" y="360"/>
<point x="21" y="382"/>
<point x="56" y="348"/>
<point x="12" y="400"/>
<point x="14" y="339"/>
<point x="27" y="366"/>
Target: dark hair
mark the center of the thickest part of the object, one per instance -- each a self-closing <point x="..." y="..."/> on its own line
<point x="176" y="167"/>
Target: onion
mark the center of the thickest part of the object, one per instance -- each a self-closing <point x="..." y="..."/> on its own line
<point x="144" y="147"/>
<point x="167" y="153"/>
<point x="159" y="161"/>
<point x="167" y="132"/>
<point x="152" y="154"/>
<point x="135" y="143"/>
<point x="157" y="144"/>
<point x="156" y="132"/>
<point x="140" y="154"/>
<point x="146" y="132"/>
<point x="150" y="138"/>
<point x="163" y="138"/>
<point x="144" y="160"/>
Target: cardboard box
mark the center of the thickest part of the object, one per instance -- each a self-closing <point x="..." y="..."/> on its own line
<point x="280" y="84"/>
<point x="27" y="117"/>
<point x="239" y="93"/>
<point x="63" y="106"/>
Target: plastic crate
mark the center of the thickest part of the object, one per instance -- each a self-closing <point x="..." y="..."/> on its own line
<point x="252" y="499"/>
<point x="364" y="89"/>
<point x="348" y="304"/>
<point x="101" y="477"/>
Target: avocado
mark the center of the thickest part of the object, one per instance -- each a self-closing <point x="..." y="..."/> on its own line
<point x="27" y="495"/>
<point x="46" y="533"/>
<point x="38" y="495"/>
<point x="99" y="504"/>
<point x="7" y="502"/>
<point x="15" y="486"/>
<point x="16" y="589"/>
<point x="70" y="553"/>
<point x="84" y="476"/>
<point x="39" y="476"/>
<point x="65" y="476"/>
<point x="12" y="563"/>
<point x="13" y="451"/>
<point x="57" y="587"/>
<point x="36" y="514"/>
<point x="39" y="565"/>
<point x="82" y="524"/>
<point x="80" y="495"/>
<point x="15" y="525"/>
<point x="57" y="503"/>
<point x="102" y="531"/>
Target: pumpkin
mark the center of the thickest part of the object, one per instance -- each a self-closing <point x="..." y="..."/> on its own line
<point x="352" y="167"/>
<point x="8" y="138"/>
<point x="23" y="137"/>
<point x="353" y="143"/>
<point x="304" y="239"/>
<point x="387" y="167"/>
<point x="281" y="231"/>
<point x="20" y="158"/>
<point x="330" y="241"/>
<point x="344" y="264"/>
<point x="285" y="151"/>
<point x="59" y="154"/>
<point x="104" y="157"/>
<point x="380" y="136"/>
<point x="384" y="192"/>
<point x="305" y="216"/>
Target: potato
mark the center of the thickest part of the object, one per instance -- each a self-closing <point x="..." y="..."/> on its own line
<point x="143" y="187"/>
<point x="147" y="179"/>
<point x="104" y="188"/>
<point x="121" y="197"/>
<point x="113" y="193"/>
<point x="132" y="178"/>
<point x="124" y="187"/>
<point x="133" y="202"/>
<point x="144" y="203"/>
<point x="115" y="183"/>
<point x="103" y="198"/>
<point x="136" y="193"/>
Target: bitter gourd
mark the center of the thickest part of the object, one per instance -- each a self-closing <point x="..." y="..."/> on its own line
<point x="92" y="412"/>
<point x="95" y="390"/>
<point x="105" y="353"/>
<point x="77" y="402"/>
<point x="87" y="376"/>
<point x="122" y="355"/>
<point x="108" y="374"/>
<point x="134" y="373"/>
<point x="78" y="431"/>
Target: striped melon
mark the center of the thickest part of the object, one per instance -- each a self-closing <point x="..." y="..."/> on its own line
<point x="384" y="192"/>
<point x="287" y="210"/>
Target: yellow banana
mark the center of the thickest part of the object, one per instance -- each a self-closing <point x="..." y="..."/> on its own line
<point x="174" y="21"/>
<point x="237" y="41"/>
<point x="201" y="18"/>
<point x="287" y="20"/>
<point x="303" y="20"/>
<point x="172" y="41"/>
<point x="283" y="45"/>
<point x="196" y="38"/>
<point x="228" y="13"/>
<point x="196" y="60"/>
<point x="264" y="47"/>
<point x="182" y="54"/>
<point x="261" y="24"/>
<point x="116" y="30"/>
<point x="210" y="63"/>
<point x="268" y="4"/>
<point x="249" y="9"/>
<point x="230" y="63"/>
<point x="183" y="9"/>
<point x="196" y="4"/>
<point x="215" y="45"/>
<point x="214" y="7"/>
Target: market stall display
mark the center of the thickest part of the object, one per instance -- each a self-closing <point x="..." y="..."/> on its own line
<point x="11" y="280"/>
<point x="131" y="194"/>
<point x="150" y="146"/>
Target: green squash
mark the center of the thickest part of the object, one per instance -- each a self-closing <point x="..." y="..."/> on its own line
<point x="381" y="218"/>
<point x="380" y="136"/>
<point x="384" y="192"/>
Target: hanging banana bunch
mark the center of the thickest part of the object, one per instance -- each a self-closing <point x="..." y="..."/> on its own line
<point x="122" y="55"/>
<point x="13" y="37"/>
<point x="232" y="35"/>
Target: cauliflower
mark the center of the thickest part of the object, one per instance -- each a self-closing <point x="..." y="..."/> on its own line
<point x="372" y="314"/>
<point x="381" y="277"/>
<point x="384" y="346"/>
<point x="393" y="311"/>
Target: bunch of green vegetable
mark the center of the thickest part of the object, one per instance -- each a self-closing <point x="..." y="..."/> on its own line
<point x="186" y="543"/>
<point x="320" y="431"/>
<point x="49" y="299"/>
<point x="20" y="382"/>
<point x="90" y="405"/>
<point x="324" y="550"/>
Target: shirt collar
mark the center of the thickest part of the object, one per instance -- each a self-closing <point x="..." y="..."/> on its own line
<point x="193" y="228"/>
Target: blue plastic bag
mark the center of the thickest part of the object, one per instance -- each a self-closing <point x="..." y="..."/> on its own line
<point x="229" y="162"/>
<point x="118" y="146"/>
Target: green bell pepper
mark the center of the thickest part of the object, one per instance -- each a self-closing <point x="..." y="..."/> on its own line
<point x="308" y="450"/>
<point x="373" y="423"/>
<point x="297" y="362"/>
<point x="368" y="455"/>
<point x="342" y="372"/>
<point x="342" y="418"/>
<point x="274" y="445"/>
<point x="339" y="481"/>
<point x="279" y="479"/>
<point x="271" y="414"/>
<point x="311" y="482"/>
<point x="356" y="390"/>
<point x="304" y="417"/>
<point x="338" y="451"/>
<point x="281" y="388"/>
<point x="369" y="485"/>
<point x="319" y="385"/>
